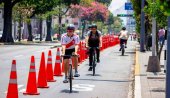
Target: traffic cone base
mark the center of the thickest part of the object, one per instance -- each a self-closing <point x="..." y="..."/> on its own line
<point x="58" y="75"/>
<point x="27" y="93"/>
<point x="51" y="80"/>
<point x="43" y="86"/>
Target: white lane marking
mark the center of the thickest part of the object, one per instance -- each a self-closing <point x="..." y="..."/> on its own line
<point x="137" y="87"/>
<point x="19" y="86"/>
<point x="18" y="56"/>
<point x="83" y="87"/>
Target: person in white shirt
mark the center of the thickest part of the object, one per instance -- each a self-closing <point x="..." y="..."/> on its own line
<point x="123" y="36"/>
<point x="70" y="44"/>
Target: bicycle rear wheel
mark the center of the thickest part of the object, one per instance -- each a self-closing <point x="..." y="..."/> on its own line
<point x="123" y="49"/>
<point x="70" y="77"/>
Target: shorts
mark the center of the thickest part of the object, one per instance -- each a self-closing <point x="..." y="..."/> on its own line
<point x="122" y="41"/>
<point x="68" y="52"/>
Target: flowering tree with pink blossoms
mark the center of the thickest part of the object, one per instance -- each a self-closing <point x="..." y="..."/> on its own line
<point x="93" y="12"/>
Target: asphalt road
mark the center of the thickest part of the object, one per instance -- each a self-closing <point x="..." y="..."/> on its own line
<point x="112" y="77"/>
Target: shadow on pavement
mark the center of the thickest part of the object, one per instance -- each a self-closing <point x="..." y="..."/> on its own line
<point x="94" y="75"/>
<point x="68" y="91"/>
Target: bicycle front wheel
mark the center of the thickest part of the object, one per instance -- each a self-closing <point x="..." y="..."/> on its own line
<point x="70" y="77"/>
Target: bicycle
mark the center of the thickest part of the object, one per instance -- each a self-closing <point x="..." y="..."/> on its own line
<point x="70" y="71"/>
<point x="94" y="59"/>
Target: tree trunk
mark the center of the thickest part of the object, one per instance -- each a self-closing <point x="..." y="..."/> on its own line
<point x="19" y="29"/>
<point x="30" y="37"/>
<point x="59" y="29"/>
<point x="40" y="29"/>
<point x="48" y="37"/>
<point x="7" y="31"/>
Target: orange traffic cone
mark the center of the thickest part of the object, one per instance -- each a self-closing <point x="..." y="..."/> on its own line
<point x="42" y="78"/>
<point x="12" y="87"/>
<point x="50" y="73"/>
<point x="57" y="68"/>
<point x="32" y="84"/>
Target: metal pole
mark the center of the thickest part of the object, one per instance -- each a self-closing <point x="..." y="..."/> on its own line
<point x="168" y="61"/>
<point x="142" y="30"/>
<point x="153" y="36"/>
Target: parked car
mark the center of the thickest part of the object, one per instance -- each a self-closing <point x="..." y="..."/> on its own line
<point x="37" y="37"/>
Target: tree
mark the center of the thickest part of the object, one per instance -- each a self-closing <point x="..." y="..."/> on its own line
<point x="94" y="12"/>
<point x="107" y="2"/>
<point x="7" y="31"/>
<point x="39" y="8"/>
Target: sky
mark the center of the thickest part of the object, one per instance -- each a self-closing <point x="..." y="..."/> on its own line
<point x="117" y="7"/>
<point x="116" y="4"/>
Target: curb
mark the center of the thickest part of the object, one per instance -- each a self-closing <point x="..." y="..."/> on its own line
<point x="137" y="88"/>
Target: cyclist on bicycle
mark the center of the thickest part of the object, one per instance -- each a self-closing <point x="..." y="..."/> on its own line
<point x="123" y="36"/>
<point x="70" y="43"/>
<point x="93" y="39"/>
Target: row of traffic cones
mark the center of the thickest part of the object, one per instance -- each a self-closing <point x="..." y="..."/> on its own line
<point x="45" y="75"/>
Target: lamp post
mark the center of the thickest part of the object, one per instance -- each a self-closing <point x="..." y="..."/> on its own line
<point x="142" y="30"/>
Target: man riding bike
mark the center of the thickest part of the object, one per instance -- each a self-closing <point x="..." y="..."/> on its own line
<point x="93" y="39"/>
<point x="70" y="44"/>
<point x="123" y="36"/>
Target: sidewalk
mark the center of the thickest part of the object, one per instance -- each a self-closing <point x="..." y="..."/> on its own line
<point x="152" y="84"/>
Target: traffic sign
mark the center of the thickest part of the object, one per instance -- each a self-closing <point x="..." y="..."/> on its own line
<point x="125" y="15"/>
<point x="128" y="6"/>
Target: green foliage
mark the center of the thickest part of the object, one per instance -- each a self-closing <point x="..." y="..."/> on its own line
<point x="69" y="2"/>
<point x="153" y="10"/>
<point x="137" y="11"/>
<point x="110" y="19"/>
<point x="165" y="5"/>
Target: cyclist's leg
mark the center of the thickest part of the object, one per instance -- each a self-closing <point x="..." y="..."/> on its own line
<point x="90" y="58"/>
<point x="125" y="43"/>
<point x="121" y="42"/>
<point x="66" y="65"/>
<point x="75" y="64"/>
<point x="98" y="55"/>
<point x="66" y="68"/>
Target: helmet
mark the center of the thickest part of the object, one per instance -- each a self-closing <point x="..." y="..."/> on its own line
<point x="70" y="27"/>
<point x="89" y="26"/>
<point x="123" y="28"/>
<point x="94" y="26"/>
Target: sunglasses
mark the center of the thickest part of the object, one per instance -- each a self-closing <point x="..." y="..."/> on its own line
<point x="69" y="30"/>
<point x="93" y="28"/>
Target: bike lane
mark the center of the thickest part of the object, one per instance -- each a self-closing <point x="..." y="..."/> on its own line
<point x="112" y="79"/>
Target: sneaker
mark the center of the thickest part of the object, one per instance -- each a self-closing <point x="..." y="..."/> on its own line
<point x="65" y="80"/>
<point x="120" y="49"/>
<point x="125" y="46"/>
<point x="76" y="74"/>
<point x="90" y="69"/>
